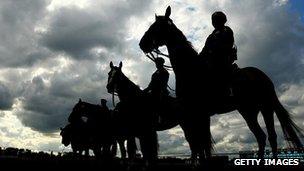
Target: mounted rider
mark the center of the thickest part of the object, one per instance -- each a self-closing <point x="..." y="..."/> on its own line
<point x="159" y="81"/>
<point x="89" y="119"/>
<point x="220" y="54"/>
<point x="157" y="88"/>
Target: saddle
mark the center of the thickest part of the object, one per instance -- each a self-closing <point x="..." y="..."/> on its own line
<point x="168" y="112"/>
<point x="220" y="92"/>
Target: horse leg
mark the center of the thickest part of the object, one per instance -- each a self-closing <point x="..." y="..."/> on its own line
<point x="76" y="151"/>
<point x="149" y="148"/>
<point x="75" y="154"/>
<point x="204" y="140"/>
<point x="122" y="148"/>
<point x="131" y="147"/>
<point x="142" y="146"/>
<point x="114" y="148"/>
<point x="153" y="148"/>
<point x="86" y="152"/>
<point x="208" y="139"/>
<point x="80" y="152"/>
<point x="97" y="150"/>
<point x="197" y="148"/>
<point x="192" y="143"/>
<point x="106" y="150"/>
<point x="272" y="136"/>
<point x="252" y="122"/>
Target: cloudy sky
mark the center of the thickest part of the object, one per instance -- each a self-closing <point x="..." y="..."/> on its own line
<point x="53" y="52"/>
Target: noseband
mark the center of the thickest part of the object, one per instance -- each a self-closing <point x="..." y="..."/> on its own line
<point x="113" y="99"/>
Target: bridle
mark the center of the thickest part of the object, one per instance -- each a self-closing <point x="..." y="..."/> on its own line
<point x="113" y="95"/>
<point x="113" y="98"/>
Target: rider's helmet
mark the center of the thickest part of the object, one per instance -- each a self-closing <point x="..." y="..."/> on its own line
<point x="218" y="19"/>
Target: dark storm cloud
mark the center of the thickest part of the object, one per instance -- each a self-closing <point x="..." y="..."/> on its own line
<point x="6" y="98"/>
<point x="40" y="110"/>
<point x="47" y="102"/>
<point x="47" y="99"/>
<point x="273" y="41"/>
<point x="77" y="31"/>
<point x="41" y="122"/>
<point x="18" y="46"/>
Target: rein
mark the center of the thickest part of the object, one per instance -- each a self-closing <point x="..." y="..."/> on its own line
<point x="113" y="99"/>
<point x="160" y="53"/>
<point x="151" y="56"/>
<point x="170" y="88"/>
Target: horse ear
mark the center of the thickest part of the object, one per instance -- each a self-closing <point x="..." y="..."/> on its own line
<point x="79" y="100"/>
<point x="120" y="65"/>
<point x="155" y="16"/>
<point x="111" y="64"/>
<point x="168" y="12"/>
<point x="61" y="129"/>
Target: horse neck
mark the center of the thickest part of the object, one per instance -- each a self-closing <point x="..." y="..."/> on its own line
<point x="183" y="59"/>
<point x="127" y="90"/>
<point x="181" y="52"/>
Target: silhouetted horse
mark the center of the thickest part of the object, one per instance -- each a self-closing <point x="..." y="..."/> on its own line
<point x="136" y="116"/>
<point x="96" y="132"/>
<point x="78" y="143"/>
<point x="92" y="133"/>
<point x="253" y="92"/>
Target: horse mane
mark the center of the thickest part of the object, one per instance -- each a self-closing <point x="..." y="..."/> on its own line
<point x="180" y="36"/>
<point x="130" y="85"/>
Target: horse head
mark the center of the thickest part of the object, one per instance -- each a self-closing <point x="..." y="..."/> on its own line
<point x="157" y="34"/>
<point x="66" y="133"/>
<point x="78" y="109"/>
<point x="114" y="77"/>
<point x="183" y="58"/>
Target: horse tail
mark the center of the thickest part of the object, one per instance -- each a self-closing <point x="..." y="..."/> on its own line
<point x="292" y="132"/>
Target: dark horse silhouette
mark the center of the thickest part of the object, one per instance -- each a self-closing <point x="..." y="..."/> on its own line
<point x="253" y="93"/>
<point x="136" y="117"/>
<point x="89" y="134"/>
<point x="96" y="133"/>
<point x="78" y="143"/>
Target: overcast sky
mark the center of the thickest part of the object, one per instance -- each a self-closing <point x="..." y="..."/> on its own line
<point x="53" y="52"/>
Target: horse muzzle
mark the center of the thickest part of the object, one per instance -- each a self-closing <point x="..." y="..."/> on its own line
<point x="146" y="44"/>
